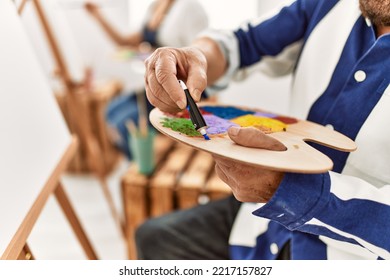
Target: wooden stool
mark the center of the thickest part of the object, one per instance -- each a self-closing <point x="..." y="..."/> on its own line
<point x="95" y="103"/>
<point x="183" y="178"/>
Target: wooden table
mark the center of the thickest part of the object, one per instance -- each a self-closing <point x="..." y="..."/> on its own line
<point x="184" y="177"/>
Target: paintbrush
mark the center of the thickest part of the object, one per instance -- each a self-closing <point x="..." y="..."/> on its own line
<point x="142" y="118"/>
<point x="132" y="128"/>
<point x="195" y="115"/>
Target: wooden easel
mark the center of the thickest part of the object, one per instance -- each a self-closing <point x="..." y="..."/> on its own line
<point x="31" y="166"/>
<point x="79" y="115"/>
<point x="18" y="248"/>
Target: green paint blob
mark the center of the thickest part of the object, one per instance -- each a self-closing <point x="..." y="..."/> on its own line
<point x="181" y="125"/>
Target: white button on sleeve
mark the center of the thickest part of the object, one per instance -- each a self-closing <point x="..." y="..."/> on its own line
<point x="360" y="76"/>
<point x="274" y="248"/>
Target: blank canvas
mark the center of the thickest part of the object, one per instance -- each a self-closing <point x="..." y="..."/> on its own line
<point x="33" y="133"/>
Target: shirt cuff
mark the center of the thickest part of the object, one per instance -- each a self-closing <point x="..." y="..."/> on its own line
<point x="297" y="200"/>
<point x="228" y="44"/>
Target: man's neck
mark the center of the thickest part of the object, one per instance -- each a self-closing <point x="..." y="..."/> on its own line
<point x="381" y="30"/>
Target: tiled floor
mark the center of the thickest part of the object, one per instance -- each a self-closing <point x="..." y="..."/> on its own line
<point x="52" y="237"/>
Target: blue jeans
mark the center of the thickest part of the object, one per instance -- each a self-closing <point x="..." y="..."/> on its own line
<point x="118" y="113"/>
<point x="199" y="233"/>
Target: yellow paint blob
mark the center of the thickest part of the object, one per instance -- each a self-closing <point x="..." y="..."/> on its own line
<point x="267" y="125"/>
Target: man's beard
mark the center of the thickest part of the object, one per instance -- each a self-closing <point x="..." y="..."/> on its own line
<point x="378" y="11"/>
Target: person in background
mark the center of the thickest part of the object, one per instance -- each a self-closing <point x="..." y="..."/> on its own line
<point x="339" y="53"/>
<point x="166" y="23"/>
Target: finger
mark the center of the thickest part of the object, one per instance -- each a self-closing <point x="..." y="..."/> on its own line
<point x="196" y="65"/>
<point x="254" y="138"/>
<point x="159" y="64"/>
<point x="166" y="75"/>
<point x="221" y="174"/>
<point x="159" y="103"/>
<point x="196" y="81"/>
<point x="223" y="162"/>
<point x="198" y="85"/>
<point x="152" y="97"/>
<point x="157" y="95"/>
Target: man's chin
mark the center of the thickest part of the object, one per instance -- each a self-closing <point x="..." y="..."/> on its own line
<point x="378" y="11"/>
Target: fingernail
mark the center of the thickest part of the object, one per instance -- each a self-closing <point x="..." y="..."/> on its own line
<point x="234" y="130"/>
<point x="180" y="104"/>
<point x="196" y="94"/>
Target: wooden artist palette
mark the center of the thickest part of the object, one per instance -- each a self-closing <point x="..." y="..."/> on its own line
<point x="299" y="156"/>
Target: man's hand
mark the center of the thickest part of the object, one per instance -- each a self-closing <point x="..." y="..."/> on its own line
<point x="92" y="8"/>
<point x="250" y="183"/>
<point x="163" y="69"/>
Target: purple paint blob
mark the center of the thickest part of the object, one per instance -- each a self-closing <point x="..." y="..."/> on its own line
<point x="217" y="125"/>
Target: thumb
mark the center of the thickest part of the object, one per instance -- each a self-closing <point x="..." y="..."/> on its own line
<point x="254" y="138"/>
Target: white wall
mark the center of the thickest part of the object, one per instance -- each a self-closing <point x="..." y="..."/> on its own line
<point x="229" y="13"/>
<point x="34" y="136"/>
<point x="97" y="50"/>
<point x="81" y="40"/>
<point x="232" y="13"/>
<point x="258" y="90"/>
